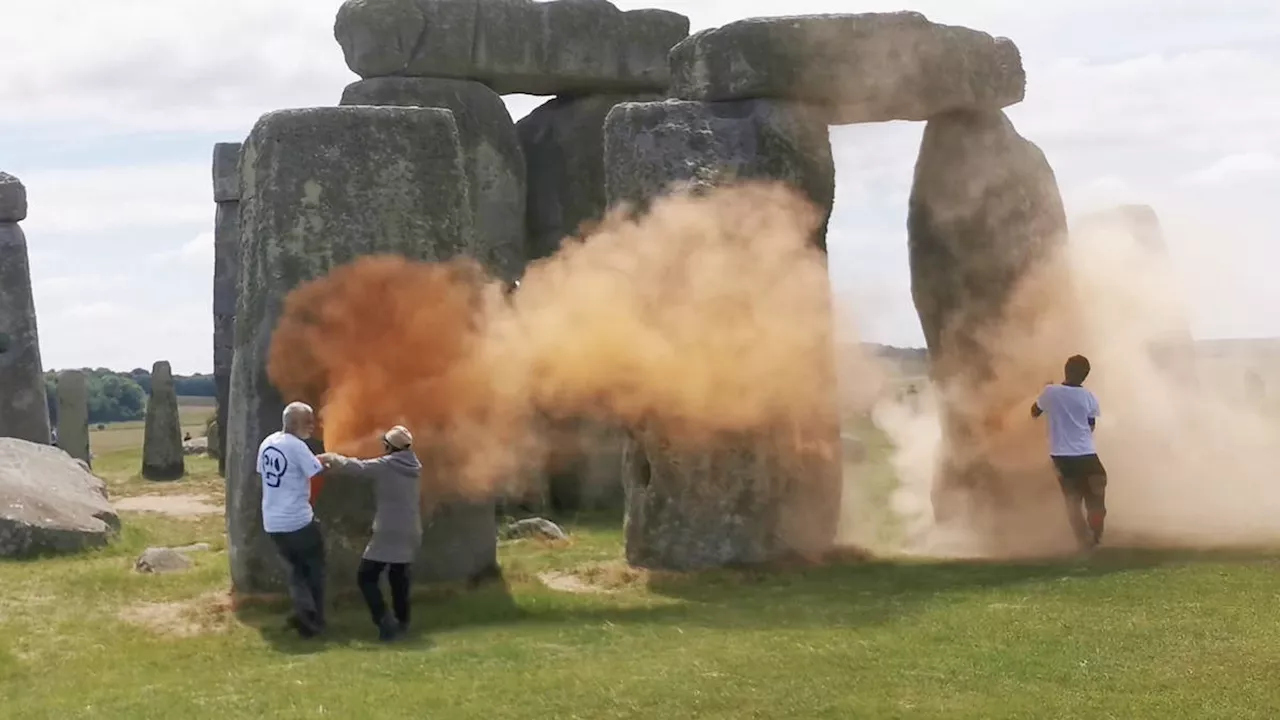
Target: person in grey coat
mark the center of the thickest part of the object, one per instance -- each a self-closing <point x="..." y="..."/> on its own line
<point x="397" y="527"/>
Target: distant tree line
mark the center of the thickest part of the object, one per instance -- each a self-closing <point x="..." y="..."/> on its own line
<point x="121" y="397"/>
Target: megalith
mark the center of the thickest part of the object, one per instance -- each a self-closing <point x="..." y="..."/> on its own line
<point x="162" y="456"/>
<point x="749" y="497"/>
<point x="563" y="47"/>
<point x="226" y="272"/>
<point x="24" y="407"/>
<point x="73" y="414"/>
<point x="986" y="226"/>
<point x="1135" y="241"/>
<point x="494" y="163"/>
<point x="321" y="187"/>
<point x="867" y="67"/>
<point x="651" y="146"/>
<point x="563" y="142"/>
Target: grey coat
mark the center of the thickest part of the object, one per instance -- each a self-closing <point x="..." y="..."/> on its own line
<point x="397" y="523"/>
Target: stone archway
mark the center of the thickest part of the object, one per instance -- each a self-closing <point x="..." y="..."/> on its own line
<point x="640" y="104"/>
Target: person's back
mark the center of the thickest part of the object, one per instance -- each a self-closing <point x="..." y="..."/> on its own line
<point x="1071" y="411"/>
<point x="286" y="465"/>
<point x="397" y="492"/>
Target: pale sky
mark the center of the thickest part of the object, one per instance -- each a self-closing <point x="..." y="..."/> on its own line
<point x="110" y="111"/>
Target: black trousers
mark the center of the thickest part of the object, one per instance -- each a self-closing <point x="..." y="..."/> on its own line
<point x="368" y="577"/>
<point x="1084" y="482"/>
<point x="303" y="553"/>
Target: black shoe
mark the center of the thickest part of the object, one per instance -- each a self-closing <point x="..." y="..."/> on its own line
<point x="402" y="627"/>
<point x="303" y="628"/>
<point x="388" y="630"/>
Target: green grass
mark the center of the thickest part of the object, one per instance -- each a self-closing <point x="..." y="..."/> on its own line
<point x="123" y="436"/>
<point x="1121" y="635"/>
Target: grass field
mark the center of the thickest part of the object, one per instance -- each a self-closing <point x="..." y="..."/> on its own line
<point x="128" y="435"/>
<point x="1119" y="635"/>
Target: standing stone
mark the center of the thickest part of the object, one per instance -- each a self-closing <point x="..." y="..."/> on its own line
<point x="747" y="497"/>
<point x="24" y="406"/>
<point x="495" y="165"/>
<point x="1172" y="345"/>
<point x="13" y="199"/>
<point x="321" y="187"/>
<point x="868" y="67"/>
<point x="650" y="146"/>
<point x="73" y="414"/>
<point x="563" y="142"/>
<point x="513" y="46"/>
<point x="746" y="501"/>
<point x="985" y="226"/>
<point x="226" y="274"/>
<point x="162" y="455"/>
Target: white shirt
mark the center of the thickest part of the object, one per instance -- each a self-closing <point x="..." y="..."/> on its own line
<point x="286" y="465"/>
<point x="1069" y="410"/>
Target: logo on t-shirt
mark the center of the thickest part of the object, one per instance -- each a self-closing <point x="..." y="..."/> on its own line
<point x="274" y="465"/>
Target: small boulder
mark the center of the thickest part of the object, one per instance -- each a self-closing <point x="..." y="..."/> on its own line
<point x="540" y="528"/>
<point x="162" y="560"/>
<point x="49" y="502"/>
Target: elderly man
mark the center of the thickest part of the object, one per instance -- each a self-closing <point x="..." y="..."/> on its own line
<point x="287" y="466"/>
<point x="397" y="527"/>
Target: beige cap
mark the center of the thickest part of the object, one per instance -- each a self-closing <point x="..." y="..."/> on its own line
<point x="398" y="437"/>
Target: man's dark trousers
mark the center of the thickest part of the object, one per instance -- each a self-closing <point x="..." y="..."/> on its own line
<point x="303" y="553"/>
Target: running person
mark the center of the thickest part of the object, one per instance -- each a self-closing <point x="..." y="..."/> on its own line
<point x="1073" y="412"/>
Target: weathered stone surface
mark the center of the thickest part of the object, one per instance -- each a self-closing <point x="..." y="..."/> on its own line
<point x="649" y="146"/>
<point x="747" y="500"/>
<point x="226" y="276"/>
<point x="13" y="199"/>
<point x="226" y="172"/>
<point x="534" y="528"/>
<point x="214" y="440"/>
<point x="323" y="186"/>
<point x="162" y="560"/>
<point x="984" y="215"/>
<point x="162" y="456"/>
<point x="513" y="46"/>
<point x="49" y="503"/>
<point x="563" y="142"/>
<point x="24" y="409"/>
<point x="868" y="67"/>
<point x="495" y="164"/>
<point x="73" y="415"/>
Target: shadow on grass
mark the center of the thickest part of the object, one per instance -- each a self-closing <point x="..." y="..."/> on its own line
<point x="848" y="595"/>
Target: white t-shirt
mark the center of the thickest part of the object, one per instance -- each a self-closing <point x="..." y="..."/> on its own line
<point x="286" y="465"/>
<point x="1069" y="410"/>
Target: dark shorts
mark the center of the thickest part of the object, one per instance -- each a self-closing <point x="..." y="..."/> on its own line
<point x="1081" y="473"/>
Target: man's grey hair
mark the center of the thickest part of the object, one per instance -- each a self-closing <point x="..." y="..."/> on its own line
<point x="293" y="412"/>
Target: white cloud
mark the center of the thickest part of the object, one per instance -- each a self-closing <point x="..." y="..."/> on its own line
<point x="99" y="310"/>
<point x="1240" y="166"/>
<point x="1171" y="102"/>
<point x="113" y="198"/>
<point x="197" y="250"/>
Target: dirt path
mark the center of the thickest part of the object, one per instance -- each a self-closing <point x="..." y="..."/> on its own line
<point x="180" y="506"/>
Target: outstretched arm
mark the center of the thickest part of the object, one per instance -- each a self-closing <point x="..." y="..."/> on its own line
<point x="333" y="461"/>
